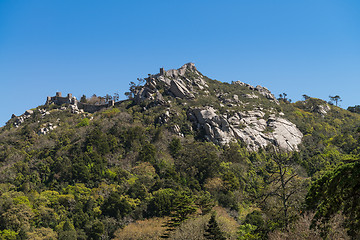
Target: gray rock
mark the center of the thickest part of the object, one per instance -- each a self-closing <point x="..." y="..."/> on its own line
<point x="181" y="71"/>
<point x="285" y="134"/>
<point x="249" y="127"/>
<point x="261" y="90"/>
<point x="179" y="89"/>
<point x="243" y="84"/>
<point x="203" y="115"/>
<point x="250" y="96"/>
<point x="174" y="82"/>
<point x="266" y="93"/>
<point x="322" y="109"/>
<point x="176" y="129"/>
<point x="29" y="112"/>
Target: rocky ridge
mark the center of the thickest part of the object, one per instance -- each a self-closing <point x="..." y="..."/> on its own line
<point x="257" y="128"/>
<point x="174" y="82"/>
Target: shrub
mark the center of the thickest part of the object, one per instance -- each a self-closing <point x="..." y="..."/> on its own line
<point x="84" y="122"/>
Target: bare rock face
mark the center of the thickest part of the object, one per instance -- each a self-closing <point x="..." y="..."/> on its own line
<point x="179" y="89"/>
<point x="250" y="127"/>
<point x="174" y="81"/>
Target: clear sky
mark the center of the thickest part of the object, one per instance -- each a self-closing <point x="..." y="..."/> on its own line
<point x="84" y="46"/>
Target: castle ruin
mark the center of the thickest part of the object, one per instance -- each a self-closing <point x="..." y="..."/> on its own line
<point x="70" y="100"/>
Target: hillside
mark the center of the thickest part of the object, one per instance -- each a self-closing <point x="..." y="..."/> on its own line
<point x="181" y="145"/>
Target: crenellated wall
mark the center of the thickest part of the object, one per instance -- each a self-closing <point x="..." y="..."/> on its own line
<point x="69" y="99"/>
<point x="59" y="100"/>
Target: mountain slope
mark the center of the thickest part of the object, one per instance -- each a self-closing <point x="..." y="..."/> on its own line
<point x="67" y="172"/>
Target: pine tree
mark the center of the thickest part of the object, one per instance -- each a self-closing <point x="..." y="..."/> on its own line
<point x="83" y="99"/>
<point x="213" y="230"/>
<point x="182" y="209"/>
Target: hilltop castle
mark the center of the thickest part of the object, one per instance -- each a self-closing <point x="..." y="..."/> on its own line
<point x="70" y="100"/>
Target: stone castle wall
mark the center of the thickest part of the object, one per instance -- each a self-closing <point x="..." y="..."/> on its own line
<point x="59" y="100"/>
<point x="91" y="108"/>
<point x="69" y="99"/>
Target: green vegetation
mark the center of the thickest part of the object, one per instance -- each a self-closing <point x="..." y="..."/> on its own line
<point x="337" y="192"/>
<point x="213" y="230"/>
<point x="109" y="174"/>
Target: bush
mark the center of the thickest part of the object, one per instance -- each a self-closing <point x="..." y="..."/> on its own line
<point x="84" y="122"/>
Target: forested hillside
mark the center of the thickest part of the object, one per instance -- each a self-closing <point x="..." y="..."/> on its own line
<point x="185" y="157"/>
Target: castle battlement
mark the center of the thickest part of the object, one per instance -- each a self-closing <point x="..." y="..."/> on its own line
<point x="69" y="99"/>
<point x="59" y="100"/>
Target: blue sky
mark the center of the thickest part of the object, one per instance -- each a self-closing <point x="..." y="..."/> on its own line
<point x="84" y="47"/>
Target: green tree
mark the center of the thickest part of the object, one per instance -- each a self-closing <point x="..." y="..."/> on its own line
<point x="161" y="202"/>
<point x="183" y="207"/>
<point x="108" y="98"/>
<point x="306" y="97"/>
<point x="247" y="232"/>
<point x="118" y="206"/>
<point x="337" y="191"/>
<point x="213" y="230"/>
<point x="205" y="203"/>
<point x="147" y="153"/>
<point x="8" y="234"/>
<point x="97" y="230"/>
<point x="175" y="146"/>
<point x="199" y="161"/>
<point x="284" y="188"/>
<point x="335" y="99"/>
<point x="354" y="109"/>
<point x="83" y="99"/>
<point x="116" y="97"/>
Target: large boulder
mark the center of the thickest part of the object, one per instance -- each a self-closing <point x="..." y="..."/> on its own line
<point x="179" y="89"/>
<point x="182" y="83"/>
<point x="250" y="127"/>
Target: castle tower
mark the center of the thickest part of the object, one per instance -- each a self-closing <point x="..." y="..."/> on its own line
<point x="162" y="71"/>
<point x="58" y="94"/>
<point x="48" y="100"/>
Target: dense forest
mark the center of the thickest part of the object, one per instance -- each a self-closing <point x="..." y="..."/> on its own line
<point x="126" y="173"/>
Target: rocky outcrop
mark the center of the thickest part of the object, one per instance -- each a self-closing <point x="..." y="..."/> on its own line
<point x="251" y="127"/>
<point x="261" y="90"/>
<point x="255" y="128"/>
<point x="46" y="129"/>
<point x="322" y="109"/>
<point x="20" y="119"/>
<point x="182" y="83"/>
<point x="179" y="89"/>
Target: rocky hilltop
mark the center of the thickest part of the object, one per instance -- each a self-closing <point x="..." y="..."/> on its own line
<point x="220" y="112"/>
<point x="244" y="120"/>
<point x="94" y="167"/>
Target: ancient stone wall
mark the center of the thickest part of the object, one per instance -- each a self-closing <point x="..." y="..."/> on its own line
<point x="59" y="100"/>
<point x="91" y="108"/>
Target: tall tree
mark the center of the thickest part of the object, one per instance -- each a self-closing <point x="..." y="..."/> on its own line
<point x="213" y="230"/>
<point x="116" y="97"/>
<point x="335" y="99"/>
<point x="306" y="97"/>
<point x="284" y="188"/>
<point x="183" y="207"/>
<point x="83" y="99"/>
